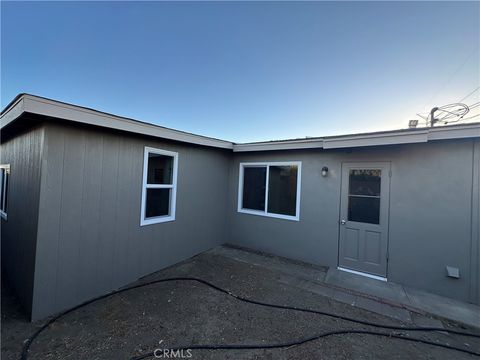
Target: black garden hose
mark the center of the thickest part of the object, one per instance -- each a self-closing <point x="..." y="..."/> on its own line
<point x="28" y="343"/>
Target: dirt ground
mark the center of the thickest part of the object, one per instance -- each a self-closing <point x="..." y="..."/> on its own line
<point x="183" y="313"/>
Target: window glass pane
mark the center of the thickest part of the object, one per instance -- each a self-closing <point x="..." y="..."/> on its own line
<point x="160" y="169"/>
<point x="282" y="190"/>
<point x="2" y="185"/>
<point x="364" y="209"/>
<point x="254" y="180"/>
<point x="157" y="202"/>
<point x="365" y="182"/>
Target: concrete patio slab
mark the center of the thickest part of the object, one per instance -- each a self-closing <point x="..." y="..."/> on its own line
<point x="382" y="297"/>
<point x="362" y="284"/>
<point x="447" y="308"/>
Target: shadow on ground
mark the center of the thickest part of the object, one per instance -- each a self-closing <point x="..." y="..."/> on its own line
<point x="183" y="313"/>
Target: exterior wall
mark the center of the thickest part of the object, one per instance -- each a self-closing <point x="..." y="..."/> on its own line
<point x="73" y="230"/>
<point x="19" y="231"/>
<point x="475" y="249"/>
<point x="89" y="236"/>
<point x="434" y="188"/>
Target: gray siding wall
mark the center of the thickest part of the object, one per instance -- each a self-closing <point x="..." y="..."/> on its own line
<point x="433" y="212"/>
<point x="19" y="231"/>
<point x="89" y="235"/>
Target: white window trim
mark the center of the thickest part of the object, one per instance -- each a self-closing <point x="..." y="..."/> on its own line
<point x="145" y="186"/>
<point x="3" y="214"/>
<point x="265" y="212"/>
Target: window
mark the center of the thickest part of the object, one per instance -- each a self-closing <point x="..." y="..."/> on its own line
<point x="4" y="177"/>
<point x="270" y="189"/>
<point x="159" y="186"/>
<point x="364" y="195"/>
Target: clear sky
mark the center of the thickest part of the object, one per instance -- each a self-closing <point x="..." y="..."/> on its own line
<point x="245" y="71"/>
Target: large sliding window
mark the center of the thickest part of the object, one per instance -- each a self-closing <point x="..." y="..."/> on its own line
<point x="159" y="186"/>
<point x="4" y="177"/>
<point x="270" y="189"/>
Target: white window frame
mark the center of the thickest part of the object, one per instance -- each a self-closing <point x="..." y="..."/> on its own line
<point x="243" y="165"/>
<point x="3" y="207"/>
<point x="145" y="186"/>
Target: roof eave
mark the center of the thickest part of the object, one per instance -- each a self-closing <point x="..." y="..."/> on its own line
<point x="32" y="104"/>
<point x="26" y="103"/>
<point x="370" y="139"/>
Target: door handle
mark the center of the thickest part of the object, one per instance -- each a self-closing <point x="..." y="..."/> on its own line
<point x="343" y="222"/>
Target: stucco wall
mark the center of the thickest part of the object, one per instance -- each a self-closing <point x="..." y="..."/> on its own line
<point x="19" y="231"/>
<point x="431" y="220"/>
<point x="89" y="235"/>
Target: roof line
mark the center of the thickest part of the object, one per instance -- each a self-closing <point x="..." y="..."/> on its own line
<point x="45" y="106"/>
<point x="27" y="103"/>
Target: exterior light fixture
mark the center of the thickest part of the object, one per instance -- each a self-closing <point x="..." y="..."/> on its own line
<point x="412" y="124"/>
<point x="324" y="171"/>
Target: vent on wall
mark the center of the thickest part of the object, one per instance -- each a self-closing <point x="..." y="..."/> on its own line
<point x="453" y="272"/>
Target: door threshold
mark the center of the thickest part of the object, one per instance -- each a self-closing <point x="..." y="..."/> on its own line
<point x="376" y="277"/>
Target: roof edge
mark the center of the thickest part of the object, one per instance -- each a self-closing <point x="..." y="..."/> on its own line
<point x="61" y="110"/>
<point x="392" y="137"/>
<point x="27" y="103"/>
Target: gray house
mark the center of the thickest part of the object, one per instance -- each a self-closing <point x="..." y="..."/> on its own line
<point x="91" y="202"/>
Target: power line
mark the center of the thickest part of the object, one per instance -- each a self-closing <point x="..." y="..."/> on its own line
<point x="470" y="117"/>
<point x="470" y="94"/>
<point x="440" y="89"/>
<point x="474" y="105"/>
<point x="456" y="112"/>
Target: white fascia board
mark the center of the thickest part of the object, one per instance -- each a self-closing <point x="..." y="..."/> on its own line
<point x="41" y="106"/>
<point x="12" y="113"/>
<point x="376" y="139"/>
<point x="363" y="140"/>
<point x="280" y="145"/>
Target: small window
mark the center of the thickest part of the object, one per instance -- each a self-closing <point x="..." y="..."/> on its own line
<point x="159" y="186"/>
<point x="4" y="177"/>
<point x="364" y="195"/>
<point x="270" y="189"/>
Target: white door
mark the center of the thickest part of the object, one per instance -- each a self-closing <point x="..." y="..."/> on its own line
<point x="364" y="217"/>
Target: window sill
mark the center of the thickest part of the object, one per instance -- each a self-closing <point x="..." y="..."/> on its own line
<point x="156" y="220"/>
<point x="267" y="214"/>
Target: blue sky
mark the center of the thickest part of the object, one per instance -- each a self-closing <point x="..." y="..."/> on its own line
<point x="245" y="71"/>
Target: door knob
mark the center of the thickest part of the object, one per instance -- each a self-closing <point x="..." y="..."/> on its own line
<point x="343" y="222"/>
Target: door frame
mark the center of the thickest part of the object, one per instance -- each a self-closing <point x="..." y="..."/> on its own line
<point x="387" y="231"/>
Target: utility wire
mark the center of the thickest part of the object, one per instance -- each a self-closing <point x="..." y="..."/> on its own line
<point x="467" y="118"/>
<point x="459" y="68"/>
<point x="30" y="340"/>
<point x="467" y="96"/>
<point x="456" y="110"/>
<point x="474" y="105"/>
